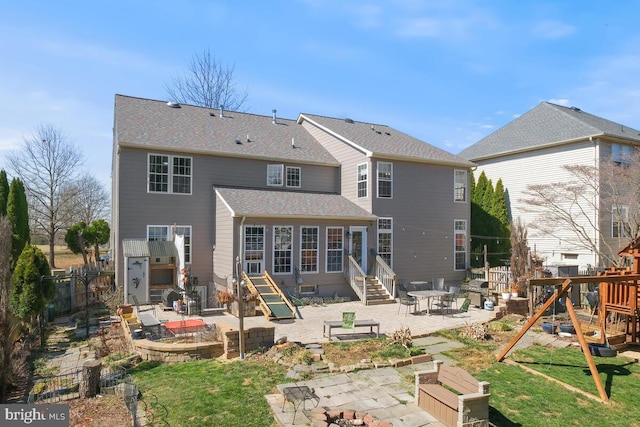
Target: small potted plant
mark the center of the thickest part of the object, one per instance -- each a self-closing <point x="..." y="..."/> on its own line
<point x="506" y="295"/>
<point x="515" y="290"/>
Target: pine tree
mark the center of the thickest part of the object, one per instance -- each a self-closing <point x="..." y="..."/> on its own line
<point x="32" y="289"/>
<point x="489" y="222"/>
<point x="18" y="216"/>
<point x="4" y="192"/>
<point x="500" y="210"/>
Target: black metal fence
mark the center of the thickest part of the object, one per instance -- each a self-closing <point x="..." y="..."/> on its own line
<point x="66" y="385"/>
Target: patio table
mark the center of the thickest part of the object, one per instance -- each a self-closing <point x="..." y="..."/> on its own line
<point x="427" y="295"/>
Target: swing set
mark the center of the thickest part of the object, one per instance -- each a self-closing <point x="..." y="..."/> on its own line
<point x="618" y="293"/>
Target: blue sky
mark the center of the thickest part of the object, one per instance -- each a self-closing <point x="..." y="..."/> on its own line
<point x="447" y="72"/>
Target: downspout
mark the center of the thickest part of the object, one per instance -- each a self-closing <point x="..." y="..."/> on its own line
<point x="241" y="243"/>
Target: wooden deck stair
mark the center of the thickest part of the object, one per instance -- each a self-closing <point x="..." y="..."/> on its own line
<point x="376" y="294"/>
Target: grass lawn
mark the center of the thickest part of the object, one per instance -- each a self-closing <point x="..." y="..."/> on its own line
<point x="205" y="393"/>
<point x="209" y="393"/>
<point x="64" y="256"/>
<point x="519" y="398"/>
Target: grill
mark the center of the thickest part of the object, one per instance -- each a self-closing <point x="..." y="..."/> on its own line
<point x="478" y="289"/>
<point x="169" y="296"/>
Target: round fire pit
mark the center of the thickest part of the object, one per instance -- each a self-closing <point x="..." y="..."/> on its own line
<point x="345" y="418"/>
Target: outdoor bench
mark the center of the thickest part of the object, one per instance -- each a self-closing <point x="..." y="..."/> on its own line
<point x="433" y="394"/>
<point x="332" y="324"/>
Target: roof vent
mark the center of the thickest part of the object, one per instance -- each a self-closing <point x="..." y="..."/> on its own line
<point x="173" y="104"/>
<point x="387" y="133"/>
<point x="248" y="140"/>
<point x="293" y="142"/>
<point x="221" y="110"/>
<point x="274" y="119"/>
<point x="238" y="142"/>
<point x="575" y="109"/>
<point x="348" y="120"/>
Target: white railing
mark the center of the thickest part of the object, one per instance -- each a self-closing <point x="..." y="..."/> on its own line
<point x="357" y="279"/>
<point x="386" y="276"/>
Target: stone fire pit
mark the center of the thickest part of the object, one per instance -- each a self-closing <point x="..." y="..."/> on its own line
<point x="322" y="417"/>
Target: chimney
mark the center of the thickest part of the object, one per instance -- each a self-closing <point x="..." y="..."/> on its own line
<point x="221" y="110"/>
<point x="274" y="117"/>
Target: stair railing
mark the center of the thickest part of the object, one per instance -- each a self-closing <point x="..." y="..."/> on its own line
<point x="386" y="276"/>
<point x="357" y="279"/>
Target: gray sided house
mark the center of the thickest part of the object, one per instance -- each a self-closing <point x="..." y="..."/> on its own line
<point x="535" y="148"/>
<point x="317" y="203"/>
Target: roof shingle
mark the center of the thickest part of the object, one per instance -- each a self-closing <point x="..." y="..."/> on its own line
<point x="384" y="141"/>
<point x="544" y="125"/>
<point x="291" y="204"/>
<point x="154" y="124"/>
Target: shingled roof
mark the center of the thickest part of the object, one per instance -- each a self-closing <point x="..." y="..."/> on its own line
<point x="547" y="124"/>
<point x="290" y="204"/>
<point x="383" y="141"/>
<point x="186" y="128"/>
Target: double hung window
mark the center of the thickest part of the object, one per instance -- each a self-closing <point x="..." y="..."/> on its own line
<point x="385" y="180"/>
<point x="169" y="174"/>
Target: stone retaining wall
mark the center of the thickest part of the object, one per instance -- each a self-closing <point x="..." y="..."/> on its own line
<point x="172" y="352"/>
<point x="254" y="338"/>
<point x="226" y="344"/>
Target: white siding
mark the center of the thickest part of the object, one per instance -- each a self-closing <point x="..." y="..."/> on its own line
<point x="543" y="167"/>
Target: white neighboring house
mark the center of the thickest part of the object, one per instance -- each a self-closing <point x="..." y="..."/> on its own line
<point x="533" y="149"/>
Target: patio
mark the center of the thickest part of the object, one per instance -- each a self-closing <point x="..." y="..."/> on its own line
<point x="308" y="326"/>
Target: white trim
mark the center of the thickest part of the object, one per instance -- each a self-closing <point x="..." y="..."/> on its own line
<point x="273" y="250"/>
<point x="286" y="176"/>
<point x="282" y="177"/>
<point x="317" y="249"/>
<point x="170" y="175"/>
<point x="326" y="248"/>
<point x="378" y="163"/>
<point x="358" y="181"/>
<point x="466" y="185"/>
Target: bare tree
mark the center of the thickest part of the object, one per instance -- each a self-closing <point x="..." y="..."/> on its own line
<point x="48" y="164"/>
<point x="519" y="255"/>
<point x="91" y="201"/>
<point x="208" y="83"/>
<point x="612" y="191"/>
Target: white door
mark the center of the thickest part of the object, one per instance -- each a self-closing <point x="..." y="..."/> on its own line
<point x="137" y="279"/>
<point x="358" y="246"/>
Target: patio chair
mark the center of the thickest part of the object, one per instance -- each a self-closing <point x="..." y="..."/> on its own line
<point x="438" y="283"/>
<point x="138" y="305"/>
<point x="406" y="300"/>
<point x="455" y="293"/>
<point x="444" y="303"/>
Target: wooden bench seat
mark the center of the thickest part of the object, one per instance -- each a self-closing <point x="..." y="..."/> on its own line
<point x="433" y="393"/>
<point x="440" y="393"/>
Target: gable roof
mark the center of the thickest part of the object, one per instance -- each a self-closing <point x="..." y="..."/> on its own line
<point x="290" y="204"/>
<point x="154" y="124"/>
<point x="547" y="124"/>
<point x="378" y="140"/>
